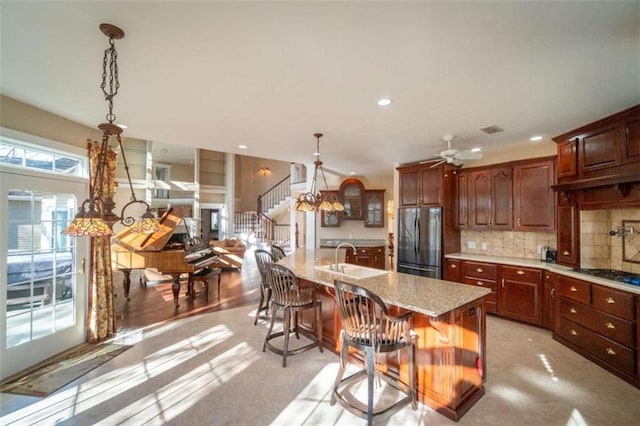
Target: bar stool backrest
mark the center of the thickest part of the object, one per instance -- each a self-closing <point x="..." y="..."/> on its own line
<point x="263" y="258"/>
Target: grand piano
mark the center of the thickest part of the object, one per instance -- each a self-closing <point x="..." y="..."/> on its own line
<point x="131" y="250"/>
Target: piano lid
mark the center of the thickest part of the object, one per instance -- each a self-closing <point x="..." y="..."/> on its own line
<point x="156" y="241"/>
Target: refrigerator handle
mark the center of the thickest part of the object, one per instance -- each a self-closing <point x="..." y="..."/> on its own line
<point x="418" y="234"/>
<point x="415" y="240"/>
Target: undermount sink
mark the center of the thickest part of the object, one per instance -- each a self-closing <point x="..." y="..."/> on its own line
<point x="352" y="271"/>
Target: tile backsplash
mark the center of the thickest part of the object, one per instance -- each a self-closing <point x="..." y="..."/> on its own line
<point x="598" y="249"/>
<point x="506" y="243"/>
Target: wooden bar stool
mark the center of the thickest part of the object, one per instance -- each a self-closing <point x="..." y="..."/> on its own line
<point x="367" y="326"/>
<point x="204" y="276"/>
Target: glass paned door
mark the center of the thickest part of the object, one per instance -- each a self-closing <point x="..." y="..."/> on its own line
<point x="43" y="300"/>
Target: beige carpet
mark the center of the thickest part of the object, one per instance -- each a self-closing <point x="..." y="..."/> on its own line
<point x="210" y="370"/>
<point x="53" y="373"/>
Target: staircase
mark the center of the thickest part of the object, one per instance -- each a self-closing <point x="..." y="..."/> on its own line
<point x="261" y="223"/>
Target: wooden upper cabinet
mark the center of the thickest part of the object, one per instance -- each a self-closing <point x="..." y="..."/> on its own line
<point x="567" y="158"/>
<point x="409" y="178"/>
<point x="421" y="185"/>
<point x="374" y="208"/>
<point x="632" y="140"/>
<point x="462" y="199"/>
<point x="534" y="204"/>
<point x="600" y="148"/>
<point x="330" y="219"/>
<point x="352" y="197"/>
<point x="480" y="199"/>
<point x="431" y="185"/>
<point x="502" y="198"/>
<point x="490" y="199"/>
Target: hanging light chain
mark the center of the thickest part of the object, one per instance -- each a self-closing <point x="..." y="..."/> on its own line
<point x="110" y="73"/>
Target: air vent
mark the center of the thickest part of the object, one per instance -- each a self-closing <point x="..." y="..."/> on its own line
<point x="492" y="129"/>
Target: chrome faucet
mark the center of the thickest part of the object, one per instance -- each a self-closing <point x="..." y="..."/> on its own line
<point x="335" y="267"/>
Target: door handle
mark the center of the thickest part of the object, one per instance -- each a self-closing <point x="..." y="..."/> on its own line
<point x="83" y="263"/>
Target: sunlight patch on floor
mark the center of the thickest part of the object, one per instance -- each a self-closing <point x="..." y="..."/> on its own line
<point x="96" y="391"/>
<point x="547" y="366"/>
<point x="175" y="398"/>
<point x="576" y="419"/>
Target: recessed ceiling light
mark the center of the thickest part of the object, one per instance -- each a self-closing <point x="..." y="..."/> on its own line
<point x="384" y="102"/>
<point x="476" y="149"/>
<point x="536" y="138"/>
<point x="243" y="146"/>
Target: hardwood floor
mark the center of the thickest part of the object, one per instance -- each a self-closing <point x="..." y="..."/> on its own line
<point x="154" y="304"/>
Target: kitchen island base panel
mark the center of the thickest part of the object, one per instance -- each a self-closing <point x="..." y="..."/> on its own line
<point x="450" y="354"/>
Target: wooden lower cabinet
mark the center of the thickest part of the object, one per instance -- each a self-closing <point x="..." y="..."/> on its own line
<point x="601" y="324"/>
<point x="520" y="294"/>
<point x="372" y="257"/>
<point x="549" y="292"/>
<point x="452" y="270"/>
<point x="483" y="275"/>
<point x="450" y="353"/>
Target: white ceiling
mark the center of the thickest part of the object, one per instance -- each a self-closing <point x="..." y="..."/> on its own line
<point x="268" y="75"/>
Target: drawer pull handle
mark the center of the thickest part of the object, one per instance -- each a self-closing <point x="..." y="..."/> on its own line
<point x="479" y="283"/>
<point x="453" y="266"/>
<point x="611" y="326"/>
<point x="610" y="351"/>
<point x="610" y="300"/>
<point x="573" y="311"/>
<point x="520" y="272"/>
<point x="553" y="292"/>
<point x="574" y="333"/>
<point x="565" y="253"/>
<point x="479" y="270"/>
<point x="573" y="289"/>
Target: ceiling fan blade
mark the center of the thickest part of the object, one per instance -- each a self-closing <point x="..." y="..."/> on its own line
<point x="430" y="160"/>
<point x="444" y="160"/>
<point x="469" y="155"/>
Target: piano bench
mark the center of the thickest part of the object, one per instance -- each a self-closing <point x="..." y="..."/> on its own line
<point x="204" y="276"/>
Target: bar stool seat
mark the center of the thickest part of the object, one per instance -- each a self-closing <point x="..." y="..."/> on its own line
<point x="203" y="276"/>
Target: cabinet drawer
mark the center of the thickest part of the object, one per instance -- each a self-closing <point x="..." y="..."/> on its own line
<point x="479" y="270"/>
<point x="606" y="325"/>
<point x="522" y="274"/>
<point x="480" y="282"/>
<point x="607" y="350"/>
<point x="575" y="289"/>
<point x="615" y="302"/>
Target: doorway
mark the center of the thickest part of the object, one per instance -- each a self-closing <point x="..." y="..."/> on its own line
<point x="43" y="299"/>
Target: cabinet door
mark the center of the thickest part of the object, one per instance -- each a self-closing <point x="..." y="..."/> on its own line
<point x="374" y="208"/>
<point x="480" y="199"/>
<point x="632" y="140"/>
<point x="330" y="219"/>
<point x="567" y="158"/>
<point x="409" y="180"/>
<point x="520" y="294"/>
<point x="431" y="185"/>
<point x="600" y="149"/>
<point x="501" y="199"/>
<point x="533" y="199"/>
<point x="452" y="270"/>
<point x="550" y="283"/>
<point x="568" y="236"/>
<point x="462" y="200"/>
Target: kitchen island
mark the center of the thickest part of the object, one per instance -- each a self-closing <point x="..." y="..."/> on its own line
<point x="448" y="319"/>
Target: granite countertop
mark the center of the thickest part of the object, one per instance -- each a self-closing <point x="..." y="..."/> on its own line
<point x="419" y="294"/>
<point x="551" y="267"/>
<point x="358" y="242"/>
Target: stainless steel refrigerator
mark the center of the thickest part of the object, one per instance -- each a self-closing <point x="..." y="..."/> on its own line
<point x="420" y="241"/>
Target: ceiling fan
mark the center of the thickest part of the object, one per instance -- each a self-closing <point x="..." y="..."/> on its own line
<point x="454" y="156"/>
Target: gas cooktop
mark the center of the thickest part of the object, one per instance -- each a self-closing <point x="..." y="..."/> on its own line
<point x="612" y="274"/>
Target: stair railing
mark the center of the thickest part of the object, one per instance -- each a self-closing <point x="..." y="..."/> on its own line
<point x="272" y="231"/>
